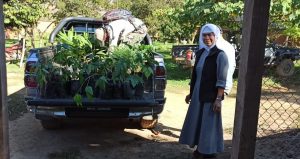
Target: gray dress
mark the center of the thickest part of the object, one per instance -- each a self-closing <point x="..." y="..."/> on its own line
<point x="202" y="126"/>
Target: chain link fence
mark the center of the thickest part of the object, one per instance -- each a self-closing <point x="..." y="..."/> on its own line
<point x="280" y="99"/>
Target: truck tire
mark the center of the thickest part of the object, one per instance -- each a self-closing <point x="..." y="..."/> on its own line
<point x="51" y="124"/>
<point x="148" y="123"/>
<point x="285" y="68"/>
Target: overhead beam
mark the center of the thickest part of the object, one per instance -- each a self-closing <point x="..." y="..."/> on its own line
<point x="4" y="148"/>
<point x="255" y="26"/>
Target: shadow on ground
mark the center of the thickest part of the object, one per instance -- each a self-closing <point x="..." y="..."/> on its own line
<point x="16" y="104"/>
<point x="279" y="146"/>
<point x="96" y="138"/>
<point x="108" y="138"/>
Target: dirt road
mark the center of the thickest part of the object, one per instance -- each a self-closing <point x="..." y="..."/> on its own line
<point x="116" y="139"/>
<point x="97" y="139"/>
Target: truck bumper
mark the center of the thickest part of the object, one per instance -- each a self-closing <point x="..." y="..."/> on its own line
<point x="48" y="109"/>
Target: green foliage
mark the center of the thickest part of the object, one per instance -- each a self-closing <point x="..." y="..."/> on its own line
<point x="24" y="13"/>
<point x="42" y="71"/>
<point x="170" y="26"/>
<point x="88" y="8"/>
<point x="101" y="82"/>
<point x="285" y="18"/>
<point x="130" y="61"/>
<point x="285" y="12"/>
<point x="89" y="92"/>
<point x="78" y="99"/>
<point x="194" y="14"/>
<point x="79" y="58"/>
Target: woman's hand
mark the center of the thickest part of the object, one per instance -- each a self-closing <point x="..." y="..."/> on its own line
<point x="217" y="105"/>
<point x="218" y="102"/>
<point x="188" y="99"/>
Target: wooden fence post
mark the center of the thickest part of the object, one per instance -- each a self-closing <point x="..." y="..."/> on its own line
<point x="255" y="26"/>
<point x="4" y="148"/>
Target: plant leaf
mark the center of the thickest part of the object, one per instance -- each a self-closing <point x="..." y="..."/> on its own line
<point x="135" y="80"/>
<point x="101" y="82"/>
<point x="89" y="92"/>
<point x="78" y="99"/>
<point x="147" y="71"/>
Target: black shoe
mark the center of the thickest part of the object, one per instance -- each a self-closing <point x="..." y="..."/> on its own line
<point x="209" y="156"/>
<point x="197" y="155"/>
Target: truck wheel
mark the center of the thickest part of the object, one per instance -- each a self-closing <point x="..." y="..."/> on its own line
<point x="285" y="68"/>
<point x="51" y="124"/>
<point x="148" y="123"/>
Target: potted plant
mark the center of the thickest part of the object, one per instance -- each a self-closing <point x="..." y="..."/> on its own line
<point x="77" y="62"/>
<point x="131" y="63"/>
<point x="90" y="72"/>
<point x="51" y="79"/>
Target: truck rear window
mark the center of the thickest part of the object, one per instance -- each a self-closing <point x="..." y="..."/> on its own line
<point x="83" y="27"/>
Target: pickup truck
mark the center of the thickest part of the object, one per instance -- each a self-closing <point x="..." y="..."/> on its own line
<point x="52" y="112"/>
<point x="282" y="58"/>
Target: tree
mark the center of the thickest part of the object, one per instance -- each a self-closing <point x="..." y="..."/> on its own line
<point x="195" y="13"/>
<point x="152" y="12"/>
<point x="25" y="14"/>
<point x="88" y="8"/>
<point x="285" y="20"/>
<point x="170" y="28"/>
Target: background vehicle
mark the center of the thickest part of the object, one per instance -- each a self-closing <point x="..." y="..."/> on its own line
<point x="282" y="58"/>
<point x="52" y="111"/>
<point x="179" y="54"/>
<point x="278" y="57"/>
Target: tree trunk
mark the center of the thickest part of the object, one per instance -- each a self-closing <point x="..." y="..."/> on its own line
<point x="30" y="32"/>
<point x="177" y="40"/>
<point x="194" y="34"/>
<point x="286" y="42"/>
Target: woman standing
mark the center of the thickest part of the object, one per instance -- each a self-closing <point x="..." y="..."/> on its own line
<point x="203" y="125"/>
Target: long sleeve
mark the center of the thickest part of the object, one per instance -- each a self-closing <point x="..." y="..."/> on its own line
<point x="222" y="70"/>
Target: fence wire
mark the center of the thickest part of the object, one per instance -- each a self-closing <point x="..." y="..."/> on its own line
<point x="280" y="99"/>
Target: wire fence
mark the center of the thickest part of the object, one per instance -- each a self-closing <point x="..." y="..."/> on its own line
<point x="280" y="99"/>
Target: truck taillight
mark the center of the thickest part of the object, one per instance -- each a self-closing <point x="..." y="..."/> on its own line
<point x="160" y="71"/>
<point x="30" y="81"/>
<point x="30" y="67"/>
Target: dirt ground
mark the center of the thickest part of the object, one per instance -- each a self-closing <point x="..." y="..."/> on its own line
<point x="119" y="138"/>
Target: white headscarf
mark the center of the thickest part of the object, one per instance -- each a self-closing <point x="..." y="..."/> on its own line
<point x="208" y="28"/>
